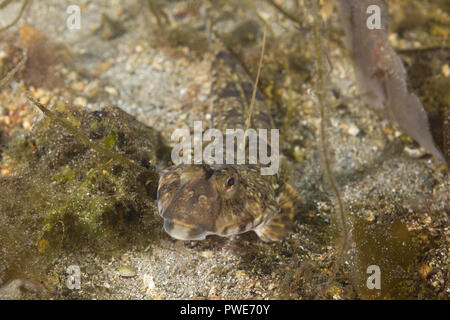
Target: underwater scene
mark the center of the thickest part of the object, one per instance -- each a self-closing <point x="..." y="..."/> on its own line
<point x="224" y="150"/>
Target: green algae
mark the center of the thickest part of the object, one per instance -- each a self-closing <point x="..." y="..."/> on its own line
<point x="110" y="141"/>
<point x="63" y="194"/>
<point x="398" y="253"/>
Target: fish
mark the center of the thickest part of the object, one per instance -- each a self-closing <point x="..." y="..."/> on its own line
<point x="197" y="200"/>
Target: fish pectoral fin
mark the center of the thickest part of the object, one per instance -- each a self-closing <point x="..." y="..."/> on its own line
<point x="283" y="222"/>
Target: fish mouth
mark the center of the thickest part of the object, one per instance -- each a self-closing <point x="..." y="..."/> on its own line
<point x="182" y="231"/>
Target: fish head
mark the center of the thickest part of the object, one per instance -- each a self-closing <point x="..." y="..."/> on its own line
<point x="225" y="200"/>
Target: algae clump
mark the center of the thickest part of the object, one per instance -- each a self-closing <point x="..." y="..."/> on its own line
<point x="63" y="194"/>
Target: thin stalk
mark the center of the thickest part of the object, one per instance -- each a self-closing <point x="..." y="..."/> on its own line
<point x="324" y="139"/>
<point x="24" y="4"/>
<point x="255" y="87"/>
<point x="7" y="79"/>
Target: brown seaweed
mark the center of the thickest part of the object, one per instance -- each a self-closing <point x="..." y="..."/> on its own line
<point x="381" y="76"/>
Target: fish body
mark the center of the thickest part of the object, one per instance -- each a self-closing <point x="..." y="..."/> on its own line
<point x="227" y="199"/>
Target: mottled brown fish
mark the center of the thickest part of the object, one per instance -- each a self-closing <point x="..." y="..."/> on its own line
<point x="225" y="200"/>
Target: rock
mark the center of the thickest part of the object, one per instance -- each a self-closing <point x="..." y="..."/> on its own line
<point x="18" y="289"/>
<point x="353" y="130"/>
<point x="414" y="153"/>
<point x="127" y="271"/>
<point x="446" y="70"/>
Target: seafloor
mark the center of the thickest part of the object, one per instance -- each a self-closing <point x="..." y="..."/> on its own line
<point x="60" y="201"/>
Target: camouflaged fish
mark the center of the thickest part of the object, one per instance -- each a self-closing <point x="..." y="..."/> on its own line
<point x="225" y="200"/>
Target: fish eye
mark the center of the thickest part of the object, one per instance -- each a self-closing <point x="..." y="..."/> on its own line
<point x="230" y="183"/>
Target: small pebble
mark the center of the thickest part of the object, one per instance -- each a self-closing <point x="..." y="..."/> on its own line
<point x="44" y="100"/>
<point x="206" y="254"/>
<point x="369" y="215"/>
<point x="5" y="171"/>
<point x="299" y="154"/>
<point x="353" y="130"/>
<point x="446" y="70"/>
<point x="349" y="129"/>
<point x="127" y="271"/>
<point x="78" y="86"/>
<point x="414" y="153"/>
<point x="111" y="91"/>
<point x="72" y="76"/>
<point x="80" y="101"/>
<point x="26" y="124"/>
<point x="104" y="66"/>
<point x="6" y="120"/>
<point x="39" y="93"/>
